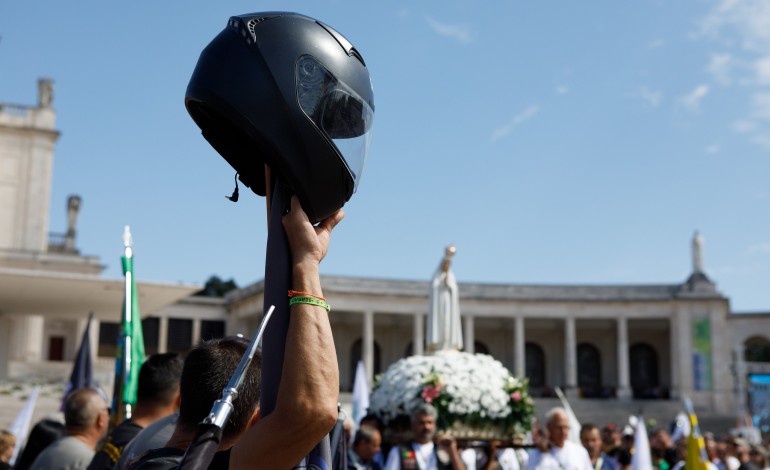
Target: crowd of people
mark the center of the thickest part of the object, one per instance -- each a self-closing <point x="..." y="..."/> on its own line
<point x="174" y="396"/>
<point x="608" y="447"/>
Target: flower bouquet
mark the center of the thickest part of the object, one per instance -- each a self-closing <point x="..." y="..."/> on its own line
<point x="476" y="397"/>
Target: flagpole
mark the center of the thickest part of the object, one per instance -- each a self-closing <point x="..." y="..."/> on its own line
<point x="121" y="410"/>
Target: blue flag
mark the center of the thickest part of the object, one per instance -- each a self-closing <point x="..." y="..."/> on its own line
<point x="82" y="370"/>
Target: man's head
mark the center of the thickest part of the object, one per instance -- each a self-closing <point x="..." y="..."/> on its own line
<point x="660" y="439"/>
<point x="611" y="436"/>
<point x="159" y="379"/>
<point x="367" y="442"/>
<point x="711" y="445"/>
<point x="591" y="439"/>
<point x="373" y="421"/>
<point x="557" y="423"/>
<point x="86" y="414"/>
<point x="424" y="423"/>
<point x="207" y="371"/>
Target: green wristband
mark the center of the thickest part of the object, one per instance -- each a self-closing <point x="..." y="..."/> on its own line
<point x="300" y="299"/>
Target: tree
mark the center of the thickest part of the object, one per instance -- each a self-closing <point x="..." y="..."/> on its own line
<point x="216" y="287"/>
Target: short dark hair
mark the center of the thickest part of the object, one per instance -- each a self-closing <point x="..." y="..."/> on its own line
<point x="365" y="434"/>
<point x="159" y="378"/>
<point x="207" y="371"/>
<point x="372" y="420"/>
<point x="588" y="427"/>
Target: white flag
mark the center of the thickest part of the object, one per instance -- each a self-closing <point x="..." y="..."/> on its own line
<point x="20" y="426"/>
<point x="360" y="394"/>
<point x="574" y="424"/>
<point x="642" y="459"/>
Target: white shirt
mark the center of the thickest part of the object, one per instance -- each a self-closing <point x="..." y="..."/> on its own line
<point x="426" y="459"/>
<point x="508" y="459"/>
<point x="569" y="457"/>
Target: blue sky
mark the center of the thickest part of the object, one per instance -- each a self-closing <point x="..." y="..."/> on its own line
<point x="551" y="142"/>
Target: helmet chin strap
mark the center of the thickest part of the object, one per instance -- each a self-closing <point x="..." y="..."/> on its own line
<point x="234" y="197"/>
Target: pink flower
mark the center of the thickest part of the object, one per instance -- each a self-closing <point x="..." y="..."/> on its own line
<point x="431" y="392"/>
<point x="516" y="396"/>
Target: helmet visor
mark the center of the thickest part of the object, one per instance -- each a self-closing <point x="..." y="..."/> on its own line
<point x="343" y="116"/>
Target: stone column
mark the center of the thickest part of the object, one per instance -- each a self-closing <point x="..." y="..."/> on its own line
<point x="683" y="355"/>
<point x="673" y="326"/>
<point x="570" y="355"/>
<point x="27" y="338"/>
<point x="163" y="334"/>
<point x="624" y="387"/>
<point x="196" y="331"/>
<point x="367" y="345"/>
<point x="519" y="343"/>
<point x="469" y="340"/>
<point x="94" y="337"/>
<point x="6" y="334"/>
<point x="418" y="338"/>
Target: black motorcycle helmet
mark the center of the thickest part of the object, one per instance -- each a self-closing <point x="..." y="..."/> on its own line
<point x="288" y="91"/>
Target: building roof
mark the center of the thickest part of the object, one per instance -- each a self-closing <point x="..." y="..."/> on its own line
<point x="74" y="295"/>
<point x="699" y="288"/>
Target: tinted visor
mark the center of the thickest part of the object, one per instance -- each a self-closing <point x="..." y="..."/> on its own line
<point x="337" y="111"/>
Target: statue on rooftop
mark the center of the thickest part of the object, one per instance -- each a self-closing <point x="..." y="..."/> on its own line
<point x="444" y="332"/>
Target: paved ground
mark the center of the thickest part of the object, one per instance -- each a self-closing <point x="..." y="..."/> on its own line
<point x="14" y="395"/>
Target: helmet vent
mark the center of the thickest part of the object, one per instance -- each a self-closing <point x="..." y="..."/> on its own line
<point x="247" y="30"/>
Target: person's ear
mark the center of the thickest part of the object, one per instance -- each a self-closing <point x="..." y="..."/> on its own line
<point x="254" y="418"/>
<point x="103" y="420"/>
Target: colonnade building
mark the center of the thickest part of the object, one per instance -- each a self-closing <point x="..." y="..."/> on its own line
<point x="616" y="341"/>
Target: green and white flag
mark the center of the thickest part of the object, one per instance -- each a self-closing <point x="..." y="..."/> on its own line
<point x="130" y="354"/>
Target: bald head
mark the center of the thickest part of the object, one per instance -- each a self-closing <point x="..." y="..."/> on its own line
<point x="82" y="409"/>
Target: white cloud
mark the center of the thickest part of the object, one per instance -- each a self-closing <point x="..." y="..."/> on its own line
<point x="652" y="98"/>
<point x="762" y="68"/>
<point x="761" y="140"/>
<point x="656" y="43"/>
<point x="719" y="66"/>
<point x="562" y="89"/>
<point x="761" y="104"/>
<point x="693" y="99"/>
<point x="712" y="149"/>
<point x="762" y="248"/>
<point x="459" y="33"/>
<point x="750" y="18"/>
<point x="523" y="116"/>
<point x="744" y="126"/>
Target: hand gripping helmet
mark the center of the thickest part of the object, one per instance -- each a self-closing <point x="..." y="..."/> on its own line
<point x="286" y="91"/>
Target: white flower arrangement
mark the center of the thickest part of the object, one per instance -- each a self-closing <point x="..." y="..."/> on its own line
<point x="468" y="391"/>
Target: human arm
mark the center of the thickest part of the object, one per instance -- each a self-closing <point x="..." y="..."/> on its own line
<point x="306" y="408"/>
<point x="448" y="443"/>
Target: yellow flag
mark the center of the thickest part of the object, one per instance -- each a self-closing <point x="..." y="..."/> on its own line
<point x="696" y="447"/>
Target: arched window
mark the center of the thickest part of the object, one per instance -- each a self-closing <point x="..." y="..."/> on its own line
<point x="589" y="370"/>
<point x="356" y="355"/>
<point x="643" y="367"/>
<point x="534" y="359"/>
<point x="756" y="349"/>
<point x="480" y="348"/>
